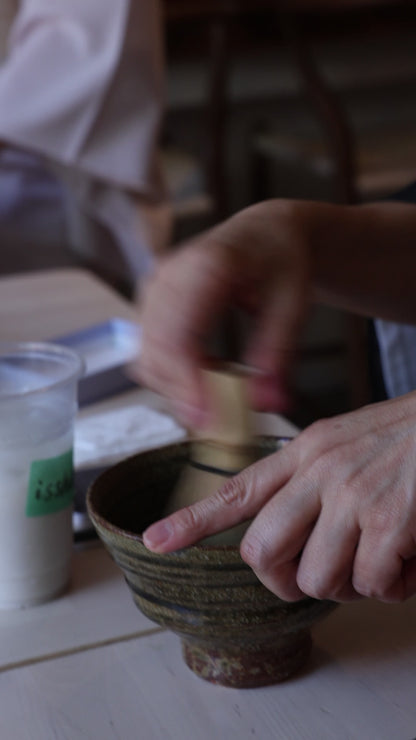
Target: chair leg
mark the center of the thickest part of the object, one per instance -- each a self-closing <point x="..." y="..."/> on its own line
<point x="340" y="141"/>
<point x="330" y="112"/>
<point x="217" y="114"/>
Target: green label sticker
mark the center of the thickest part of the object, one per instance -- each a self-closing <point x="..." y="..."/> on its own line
<point x="51" y="485"/>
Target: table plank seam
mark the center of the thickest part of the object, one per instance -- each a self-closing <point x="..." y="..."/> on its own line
<point x="80" y="649"/>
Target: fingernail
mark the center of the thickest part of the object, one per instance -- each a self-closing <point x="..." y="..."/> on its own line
<point x="157" y="534"/>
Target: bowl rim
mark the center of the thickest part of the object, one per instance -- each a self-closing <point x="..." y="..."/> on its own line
<point x="101" y="522"/>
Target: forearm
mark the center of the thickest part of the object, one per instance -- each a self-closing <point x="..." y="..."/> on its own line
<point x="363" y="258"/>
<point x="271" y="259"/>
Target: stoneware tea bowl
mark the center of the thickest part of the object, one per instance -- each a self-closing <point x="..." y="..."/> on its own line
<point x="234" y="631"/>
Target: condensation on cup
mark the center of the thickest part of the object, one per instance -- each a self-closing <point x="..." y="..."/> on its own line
<point x="38" y="403"/>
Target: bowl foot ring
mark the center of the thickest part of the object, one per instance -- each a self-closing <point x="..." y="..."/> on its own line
<point x="239" y="667"/>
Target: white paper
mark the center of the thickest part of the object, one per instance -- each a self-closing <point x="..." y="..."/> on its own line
<point x="108" y="436"/>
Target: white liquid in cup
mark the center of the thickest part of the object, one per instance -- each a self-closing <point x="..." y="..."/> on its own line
<point x="35" y="534"/>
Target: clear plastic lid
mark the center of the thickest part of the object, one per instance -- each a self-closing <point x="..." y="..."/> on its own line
<point x="35" y="367"/>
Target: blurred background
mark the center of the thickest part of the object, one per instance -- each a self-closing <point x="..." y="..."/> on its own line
<point x="222" y="103"/>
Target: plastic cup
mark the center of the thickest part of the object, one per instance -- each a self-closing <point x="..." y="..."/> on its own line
<point x="38" y="402"/>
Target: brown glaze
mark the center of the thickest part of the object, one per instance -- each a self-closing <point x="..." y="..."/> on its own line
<point x="234" y="631"/>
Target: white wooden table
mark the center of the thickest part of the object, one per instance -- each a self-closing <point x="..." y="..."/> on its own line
<point x="90" y="666"/>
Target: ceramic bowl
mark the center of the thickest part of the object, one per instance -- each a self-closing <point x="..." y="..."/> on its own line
<point x="234" y="631"/>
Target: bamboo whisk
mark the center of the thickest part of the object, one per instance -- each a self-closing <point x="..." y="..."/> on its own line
<point x="226" y="447"/>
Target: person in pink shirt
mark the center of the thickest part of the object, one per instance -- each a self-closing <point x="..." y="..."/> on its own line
<point x="81" y="92"/>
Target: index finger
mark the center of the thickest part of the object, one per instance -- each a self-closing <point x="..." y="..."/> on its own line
<point x="239" y="499"/>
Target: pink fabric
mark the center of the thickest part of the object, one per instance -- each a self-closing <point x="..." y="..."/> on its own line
<point x="82" y="84"/>
<point x="82" y="87"/>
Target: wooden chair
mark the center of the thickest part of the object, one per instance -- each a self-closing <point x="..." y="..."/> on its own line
<point x="357" y="164"/>
<point x="211" y="21"/>
<point x="361" y="163"/>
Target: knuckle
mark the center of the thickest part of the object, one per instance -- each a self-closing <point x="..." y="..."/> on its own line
<point x="375" y="586"/>
<point x="380" y="518"/>
<point x="189" y="519"/>
<point x="322" y="468"/>
<point x="249" y="552"/>
<point x="234" y="494"/>
<point x="287" y="593"/>
<point x="324" y="577"/>
<point x="317" y="434"/>
<point x="256" y="554"/>
<point x="318" y="450"/>
<point x="313" y="586"/>
<point x="368" y="589"/>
